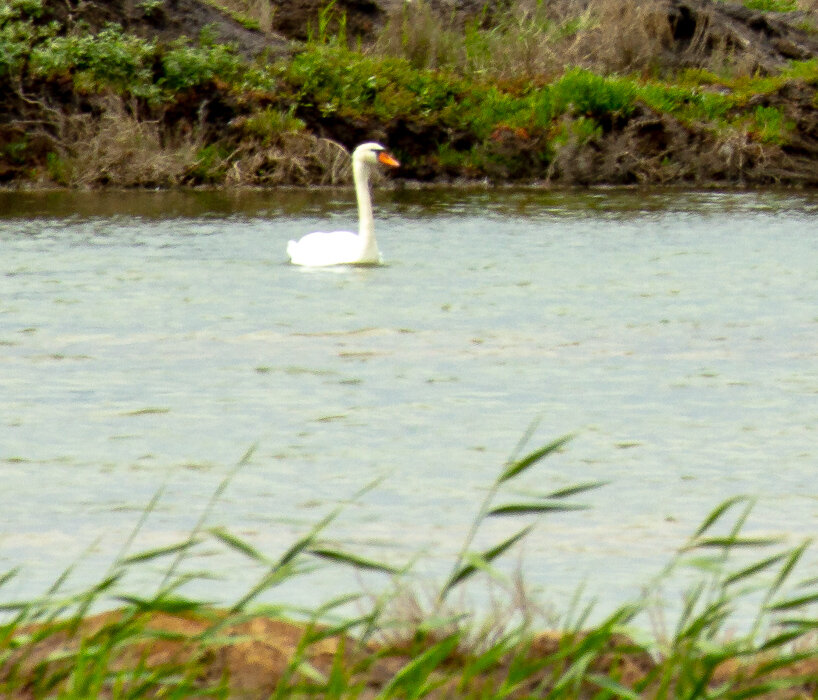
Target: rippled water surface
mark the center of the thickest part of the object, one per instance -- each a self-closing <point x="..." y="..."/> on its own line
<point x="149" y="340"/>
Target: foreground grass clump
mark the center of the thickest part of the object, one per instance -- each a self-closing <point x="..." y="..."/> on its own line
<point x="164" y="644"/>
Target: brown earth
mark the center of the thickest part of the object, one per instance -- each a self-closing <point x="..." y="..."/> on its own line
<point x="170" y="20"/>
<point x="645" y="148"/>
<point x="698" y="28"/>
<point x="254" y="655"/>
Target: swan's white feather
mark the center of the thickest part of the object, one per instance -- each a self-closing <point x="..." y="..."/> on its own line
<point x="323" y="248"/>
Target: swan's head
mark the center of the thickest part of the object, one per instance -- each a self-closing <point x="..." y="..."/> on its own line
<point x="371" y="153"/>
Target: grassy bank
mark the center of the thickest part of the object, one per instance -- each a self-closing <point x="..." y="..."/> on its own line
<point x="161" y="643"/>
<point x="572" y="93"/>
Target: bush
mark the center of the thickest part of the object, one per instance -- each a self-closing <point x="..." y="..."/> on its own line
<point x="582" y="92"/>
<point x="185" y="66"/>
<point x="15" y="44"/>
<point x="772" y="5"/>
<point x="110" y="58"/>
<point x="687" y="104"/>
<point x="16" y="9"/>
<point x="770" y="125"/>
<point x="269" y="123"/>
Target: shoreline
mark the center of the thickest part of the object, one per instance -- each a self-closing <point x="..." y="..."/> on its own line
<point x="399" y="185"/>
<point x="94" y="104"/>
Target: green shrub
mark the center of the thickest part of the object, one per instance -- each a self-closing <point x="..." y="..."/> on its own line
<point x="19" y="33"/>
<point x="17" y="9"/>
<point x="269" y="123"/>
<point x="15" y="44"/>
<point x="150" y="7"/>
<point x="15" y="151"/>
<point x="330" y="76"/>
<point x="211" y="163"/>
<point x="108" y="59"/>
<point x="688" y="104"/>
<point x="804" y="70"/>
<point x="770" y="125"/>
<point x="185" y="66"/>
<point x="577" y="131"/>
<point x="582" y="92"/>
<point x="772" y="5"/>
<point x="129" y="64"/>
<point x="58" y="170"/>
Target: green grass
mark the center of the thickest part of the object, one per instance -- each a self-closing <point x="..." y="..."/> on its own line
<point x="48" y="649"/>
<point x="772" y="5"/>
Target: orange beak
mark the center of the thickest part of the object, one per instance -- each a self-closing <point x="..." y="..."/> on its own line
<point x="387" y="159"/>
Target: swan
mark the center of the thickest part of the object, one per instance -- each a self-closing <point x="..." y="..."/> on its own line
<point x="320" y="249"/>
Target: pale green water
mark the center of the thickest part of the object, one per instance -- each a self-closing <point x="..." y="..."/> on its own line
<point x="150" y="339"/>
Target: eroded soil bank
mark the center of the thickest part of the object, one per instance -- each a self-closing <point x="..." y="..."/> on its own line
<point x="130" y="93"/>
<point x="258" y="657"/>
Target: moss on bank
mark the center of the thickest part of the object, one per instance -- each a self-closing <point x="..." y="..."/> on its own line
<point x="93" y="107"/>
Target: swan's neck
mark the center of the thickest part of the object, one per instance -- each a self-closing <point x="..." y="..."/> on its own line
<point x="366" y="223"/>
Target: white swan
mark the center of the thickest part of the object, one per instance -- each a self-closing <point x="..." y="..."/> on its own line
<point x="344" y="247"/>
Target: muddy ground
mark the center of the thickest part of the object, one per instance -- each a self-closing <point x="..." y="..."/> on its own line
<point x="254" y="655"/>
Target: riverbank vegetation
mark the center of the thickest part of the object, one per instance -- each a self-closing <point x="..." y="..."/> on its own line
<point x="162" y="643"/>
<point x="661" y="92"/>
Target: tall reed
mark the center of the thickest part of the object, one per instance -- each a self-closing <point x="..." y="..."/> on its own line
<point x="163" y="643"/>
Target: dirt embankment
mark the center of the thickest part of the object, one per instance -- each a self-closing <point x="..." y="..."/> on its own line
<point x="255" y="656"/>
<point x="169" y="20"/>
<point x="648" y="147"/>
<point x="45" y="124"/>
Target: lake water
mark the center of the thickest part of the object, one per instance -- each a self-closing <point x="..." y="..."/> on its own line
<point x="148" y="340"/>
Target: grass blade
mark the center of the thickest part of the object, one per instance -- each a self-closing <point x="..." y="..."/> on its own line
<point x="794" y="602"/>
<point x="410" y="680"/>
<point x="781" y="639"/>
<point x="489" y="555"/>
<point x="238" y="544"/>
<point x="716" y="514"/>
<point x="285" y="567"/>
<point x="786" y="570"/>
<point x="754" y="569"/>
<point x="534" y="508"/>
<point x="578" y="488"/>
<point x="518" y="467"/>
<point x="802" y="622"/>
<point x="143" y="518"/>
<point x="214" y="497"/>
<point x="352" y="560"/>
<point x="732" y="541"/>
<point x="304" y="543"/>
<point x="616" y="690"/>
<point x="9" y="575"/>
<point x="150" y="554"/>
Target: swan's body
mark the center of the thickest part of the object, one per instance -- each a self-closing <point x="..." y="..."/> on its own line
<point x="320" y="249"/>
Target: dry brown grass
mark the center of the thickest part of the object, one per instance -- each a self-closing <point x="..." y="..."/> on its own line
<point x="292" y="159"/>
<point x="622" y="35"/>
<point x="418" y="33"/>
<point x="532" y="38"/>
<point x="113" y="146"/>
<point x="810" y="7"/>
